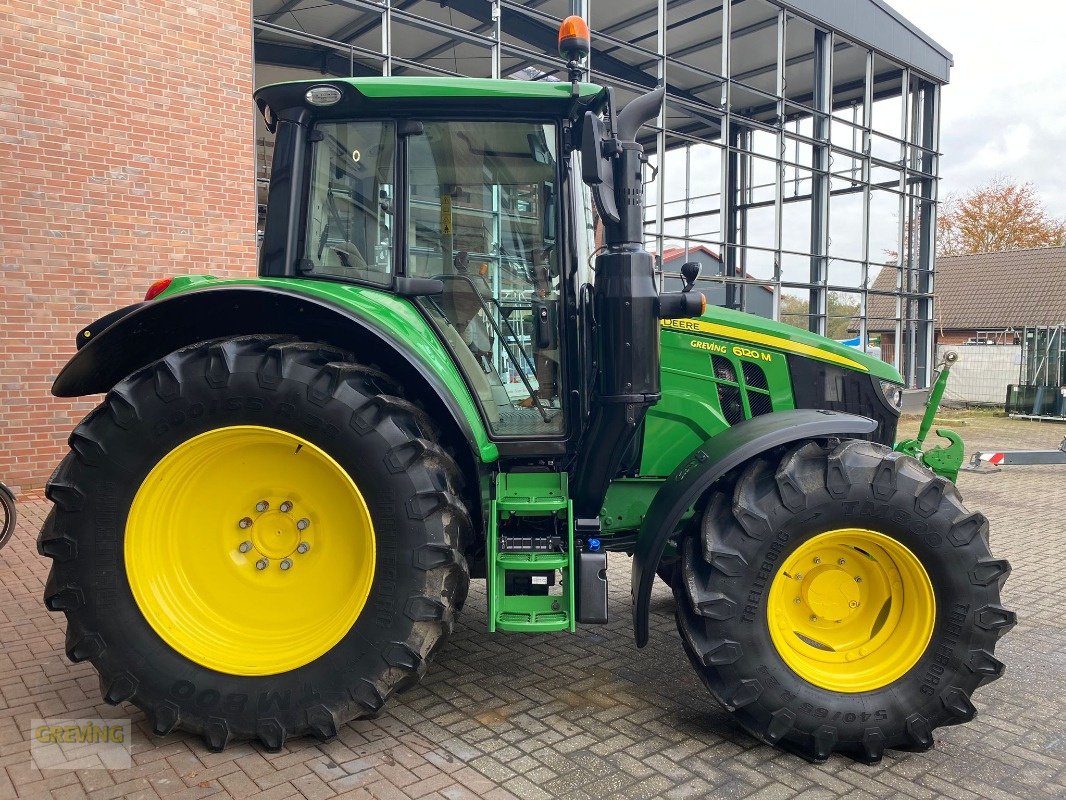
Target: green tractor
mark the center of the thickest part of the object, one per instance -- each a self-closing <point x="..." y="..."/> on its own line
<point x="456" y="363"/>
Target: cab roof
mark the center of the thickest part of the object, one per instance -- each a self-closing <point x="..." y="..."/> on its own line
<point x="406" y="94"/>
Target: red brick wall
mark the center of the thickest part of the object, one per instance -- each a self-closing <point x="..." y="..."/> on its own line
<point x="126" y="154"/>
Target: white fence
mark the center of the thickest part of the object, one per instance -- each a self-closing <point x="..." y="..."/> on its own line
<point x="982" y="372"/>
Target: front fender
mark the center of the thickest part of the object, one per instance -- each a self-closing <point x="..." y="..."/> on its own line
<point x="709" y="462"/>
<point x="377" y="326"/>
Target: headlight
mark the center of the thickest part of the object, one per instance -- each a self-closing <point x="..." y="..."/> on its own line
<point x="893" y="393"/>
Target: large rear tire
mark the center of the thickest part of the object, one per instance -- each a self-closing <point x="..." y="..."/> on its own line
<point x="255" y="538"/>
<point x="842" y="599"/>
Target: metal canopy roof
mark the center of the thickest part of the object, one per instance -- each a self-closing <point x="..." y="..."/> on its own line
<point x="879" y="26"/>
<point x="344" y="37"/>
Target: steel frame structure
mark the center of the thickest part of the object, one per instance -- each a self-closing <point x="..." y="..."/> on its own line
<point x="802" y="149"/>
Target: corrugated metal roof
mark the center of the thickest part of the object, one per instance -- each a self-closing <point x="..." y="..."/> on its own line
<point x="987" y="290"/>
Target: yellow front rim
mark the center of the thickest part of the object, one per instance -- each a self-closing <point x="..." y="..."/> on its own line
<point x="249" y="550"/>
<point x="851" y="610"/>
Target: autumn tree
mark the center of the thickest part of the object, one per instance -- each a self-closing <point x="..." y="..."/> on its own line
<point x="842" y="310"/>
<point x="1001" y="215"/>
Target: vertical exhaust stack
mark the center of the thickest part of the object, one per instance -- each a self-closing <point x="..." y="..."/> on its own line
<point x="626" y="301"/>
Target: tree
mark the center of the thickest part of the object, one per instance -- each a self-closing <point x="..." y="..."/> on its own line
<point x="1001" y="215"/>
<point x="842" y="310"/>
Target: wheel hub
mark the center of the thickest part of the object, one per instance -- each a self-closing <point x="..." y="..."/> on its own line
<point x="830" y="593"/>
<point x="278" y="533"/>
<point x="851" y="610"/>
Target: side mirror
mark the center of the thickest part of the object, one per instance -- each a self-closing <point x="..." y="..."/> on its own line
<point x="597" y="171"/>
<point x="690" y="270"/>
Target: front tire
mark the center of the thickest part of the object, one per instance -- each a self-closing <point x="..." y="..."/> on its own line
<point x="255" y="538"/>
<point x="842" y="599"/>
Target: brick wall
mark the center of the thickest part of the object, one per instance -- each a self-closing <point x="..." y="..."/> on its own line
<point x="126" y="154"/>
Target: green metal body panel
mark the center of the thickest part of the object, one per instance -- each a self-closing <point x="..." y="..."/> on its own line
<point x="766" y="333"/>
<point x="690" y="411"/>
<point x="391" y="313"/>
<point x="474" y="88"/>
<point x="702" y="359"/>
<point x="626" y="503"/>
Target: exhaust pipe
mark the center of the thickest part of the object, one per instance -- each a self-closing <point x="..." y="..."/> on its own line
<point x="626" y="303"/>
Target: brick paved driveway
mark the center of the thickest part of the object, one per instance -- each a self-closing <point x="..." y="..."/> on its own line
<point x="586" y="715"/>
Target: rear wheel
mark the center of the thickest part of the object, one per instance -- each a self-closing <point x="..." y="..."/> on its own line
<point x="8" y="515"/>
<point x="255" y="538"/>
<point x="842" y="600"/>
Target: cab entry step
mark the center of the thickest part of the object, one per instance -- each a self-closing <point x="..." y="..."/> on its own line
<point x="531" y="541"/>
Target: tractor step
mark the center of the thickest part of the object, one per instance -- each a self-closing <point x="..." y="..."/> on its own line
<point x="531" y="538"/>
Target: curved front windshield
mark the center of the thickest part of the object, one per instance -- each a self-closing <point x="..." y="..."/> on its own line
<point x="482" y="217"/>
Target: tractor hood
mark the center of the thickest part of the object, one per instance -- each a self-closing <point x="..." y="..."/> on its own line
<point x="724" y="323"/>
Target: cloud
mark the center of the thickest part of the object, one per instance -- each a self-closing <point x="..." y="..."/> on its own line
<point x="1008" y="148"/>
<point x="1002" y="113"/>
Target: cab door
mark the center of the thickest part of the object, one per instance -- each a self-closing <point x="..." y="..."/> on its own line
<point x="482" y="217"/>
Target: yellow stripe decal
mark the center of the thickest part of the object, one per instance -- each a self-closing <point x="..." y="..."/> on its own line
<point x="765" y="339"/>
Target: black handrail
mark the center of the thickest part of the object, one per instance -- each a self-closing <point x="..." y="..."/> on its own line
<point x="499" y="332"/>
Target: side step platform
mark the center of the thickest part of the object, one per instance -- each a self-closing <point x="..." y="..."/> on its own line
<point x="531" y="543"/>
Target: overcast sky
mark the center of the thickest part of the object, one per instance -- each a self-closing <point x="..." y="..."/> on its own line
<point x="1004" y="111"/>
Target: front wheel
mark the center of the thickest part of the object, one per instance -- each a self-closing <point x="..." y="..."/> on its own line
<point x="842" y="599"/>
<point x="255" y="538"/>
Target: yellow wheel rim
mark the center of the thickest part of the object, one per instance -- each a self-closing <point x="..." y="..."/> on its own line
<point x="249" y="550"/>
<point x="851" y="610"/>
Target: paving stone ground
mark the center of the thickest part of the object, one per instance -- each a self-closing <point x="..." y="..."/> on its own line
<point x="585" y="715"/>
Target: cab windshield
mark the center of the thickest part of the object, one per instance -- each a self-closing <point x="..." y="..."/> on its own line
<point x="481" y="217"/>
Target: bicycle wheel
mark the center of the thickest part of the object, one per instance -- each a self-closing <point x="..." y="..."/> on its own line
<point x="7" y="515"/>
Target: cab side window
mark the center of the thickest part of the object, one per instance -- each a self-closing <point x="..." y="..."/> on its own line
<point x="350" y="204"/>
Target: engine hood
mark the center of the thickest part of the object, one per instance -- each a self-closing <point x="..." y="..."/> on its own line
<point x="723" y="323"/>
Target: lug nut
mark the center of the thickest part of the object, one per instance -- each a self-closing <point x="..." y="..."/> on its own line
<point x="262" y="564"/>
<point x="858" y="579"/>
<point x="303" y="523"/>
<point x="841" y="562"/>
<point x="303" y="547"/>
<point x="817" y="560"/>
<point x="798" y="576"/>
<point x="285" y="563"/>
<point x="797" y="601"/>
<point x="245" y="523"/>
<point x="853" y="604"/>
<point x="262" y="506"/>
<point x="285" y="507"/>
<point x="244" y="547"/>
<point x="814" y="617"/>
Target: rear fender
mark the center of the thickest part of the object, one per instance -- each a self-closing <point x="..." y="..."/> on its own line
<point x="710" y="461"/>
<point x="149" y="331"/>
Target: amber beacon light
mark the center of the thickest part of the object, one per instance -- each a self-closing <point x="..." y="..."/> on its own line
<point x="574" y="38"/>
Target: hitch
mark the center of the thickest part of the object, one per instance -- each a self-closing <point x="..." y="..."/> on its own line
<point x="992" y="461"/>
<point x="943" y="460"/>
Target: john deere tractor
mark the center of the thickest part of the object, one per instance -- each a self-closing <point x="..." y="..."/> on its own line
<point x="456" y="363"/>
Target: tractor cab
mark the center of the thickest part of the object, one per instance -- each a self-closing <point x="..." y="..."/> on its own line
<point x="474" y="207"/>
